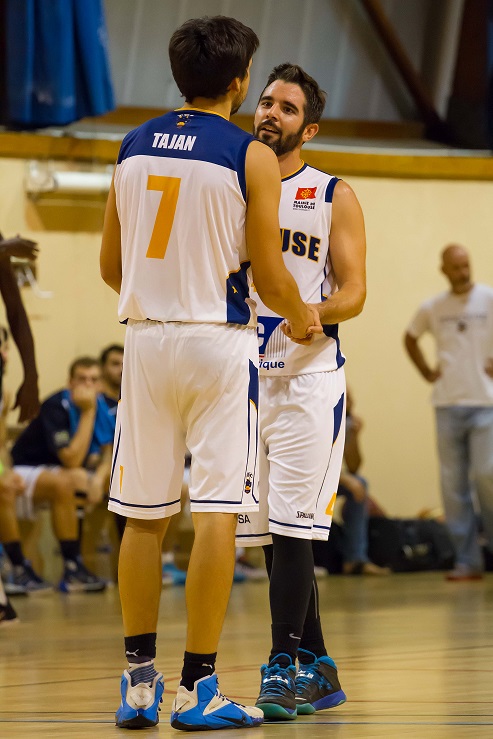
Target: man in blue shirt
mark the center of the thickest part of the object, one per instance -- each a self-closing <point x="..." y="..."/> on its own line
<point x="64" y="458"/>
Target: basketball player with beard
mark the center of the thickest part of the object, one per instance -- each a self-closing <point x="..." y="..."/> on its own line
<point x="302" y="397"/>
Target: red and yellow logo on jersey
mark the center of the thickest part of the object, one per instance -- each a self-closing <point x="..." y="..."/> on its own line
<point x="305" y="193"/>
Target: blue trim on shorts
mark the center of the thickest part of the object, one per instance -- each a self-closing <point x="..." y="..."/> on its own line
<point x="325" y="528"/>
<point x="116" y="456"/>
<point x="291" y="525"/>
<point x="217" y="502"/>
<point x="137" y="505"/>
<point x="338" y="410"/>
<point x="251" y="536"/>
<point x="253" y="393"/>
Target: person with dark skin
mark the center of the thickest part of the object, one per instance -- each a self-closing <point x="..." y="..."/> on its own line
<point x="27" y="397"/>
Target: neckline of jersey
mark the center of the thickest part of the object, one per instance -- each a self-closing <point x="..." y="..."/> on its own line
<point x="201" y="110"/>
<point x="293" y="174"/>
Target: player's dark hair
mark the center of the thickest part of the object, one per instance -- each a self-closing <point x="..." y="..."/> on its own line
<point x="4" y="335"/>
<point x="85" y="362"/>
<point x="314" y="96"/>
<point x="207" y="53"/>
<point x="106" y="352"/>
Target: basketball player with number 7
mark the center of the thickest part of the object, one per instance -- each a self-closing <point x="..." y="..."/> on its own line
<point x="194" y="203"/>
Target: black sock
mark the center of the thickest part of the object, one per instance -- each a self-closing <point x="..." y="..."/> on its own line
<point x="268" y="556"/>
<point x="70" y="548"/>
<point x="120" y="522"/>
<point x="313" y="638"/>
<point x="140" y="648"/>
<point x="289" y="592"/>
<point x="14" y="553"/>
<point x="80" y="512"/>
<point x="196" y="666"/>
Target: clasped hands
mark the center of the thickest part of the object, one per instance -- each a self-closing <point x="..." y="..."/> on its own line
<point x="304" y="333"/>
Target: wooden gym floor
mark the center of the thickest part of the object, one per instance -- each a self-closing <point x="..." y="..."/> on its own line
<point x="414" y="653"/>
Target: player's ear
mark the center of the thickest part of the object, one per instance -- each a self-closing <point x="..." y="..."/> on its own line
<point x="310" y="131"/>
<point x="234" y="85"/>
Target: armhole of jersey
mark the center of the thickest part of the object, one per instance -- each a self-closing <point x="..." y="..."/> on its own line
<point x="329" y="192"/>
<point x="241" y="167"/>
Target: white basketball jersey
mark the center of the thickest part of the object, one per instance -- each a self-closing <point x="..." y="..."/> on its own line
<point x="305" y="214"/>
<point x="181" y="200"/>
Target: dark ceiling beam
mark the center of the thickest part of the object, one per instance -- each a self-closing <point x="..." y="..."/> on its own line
<point x="436" y="128"/>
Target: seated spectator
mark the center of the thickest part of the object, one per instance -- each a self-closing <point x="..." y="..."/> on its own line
<point x="354" y="489"/>
<point x="111" y="360"/>
<point x="64" y="460"/>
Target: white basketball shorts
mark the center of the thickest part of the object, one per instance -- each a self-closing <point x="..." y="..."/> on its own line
<point x="302" y="426"/>
<point x="186" y="386"/>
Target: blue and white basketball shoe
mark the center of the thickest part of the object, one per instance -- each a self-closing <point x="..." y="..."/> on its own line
<point x="139" y="708"/>
<point x="205" y="707"/>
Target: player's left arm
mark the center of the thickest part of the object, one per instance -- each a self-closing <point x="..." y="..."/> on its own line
<point x="110" y="259"/>
<point x="348" y="258"/>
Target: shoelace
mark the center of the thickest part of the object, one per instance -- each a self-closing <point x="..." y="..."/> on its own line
<point x="308" y="676"/>
<point x="223" y="699"/>
<point x="275" y="687"/>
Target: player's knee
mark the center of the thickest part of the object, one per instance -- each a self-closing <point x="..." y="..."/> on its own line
<point x="78" y="477"/>
<point x="63" y="490"/>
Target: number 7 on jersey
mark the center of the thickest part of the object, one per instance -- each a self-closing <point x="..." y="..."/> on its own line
<point x="170" y="187"/>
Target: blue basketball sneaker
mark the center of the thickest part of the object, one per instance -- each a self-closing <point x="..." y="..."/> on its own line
<point x="277" y="691"/>
<point x="205" y="707"/>
<point x="317" y="685"/>
<point x="139" y="708"/>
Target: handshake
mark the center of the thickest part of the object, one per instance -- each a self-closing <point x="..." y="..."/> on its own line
<point x="303" y="332"/>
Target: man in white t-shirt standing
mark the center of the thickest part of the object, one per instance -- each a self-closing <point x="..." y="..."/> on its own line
<point x="461" y="321"/>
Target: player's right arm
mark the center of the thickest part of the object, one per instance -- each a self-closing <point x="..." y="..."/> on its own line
<point x="273" y="282"/>
<point x="110" y="259"/>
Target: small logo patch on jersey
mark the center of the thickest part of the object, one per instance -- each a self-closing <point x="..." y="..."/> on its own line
<point x="304" y="194"/>
<point x="248" y="482"/>
<point x="61" y="438"/>
<point x="183" y="119"/>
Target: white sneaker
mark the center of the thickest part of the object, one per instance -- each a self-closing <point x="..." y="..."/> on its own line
<point x="205" y="707"/>
<point x="139" y="708"/>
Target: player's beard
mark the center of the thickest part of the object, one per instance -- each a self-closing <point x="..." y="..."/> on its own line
<point x="238" y="102"/>
<point x="282" y="144"/>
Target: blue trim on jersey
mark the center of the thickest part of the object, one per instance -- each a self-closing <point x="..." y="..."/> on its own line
<point x="268" y="325"/>
<point x="237" y="310"/>
<point x="204" y="136"/>
<point x="325" y="528"/>
<point x="137" y="505"/>
<point x="241" y="172"/>
<point x="332" y="331"/>
<point x="329" y="192"/>
<point x="338" y="413"/>
<point x="295" y="174"/>
<point x="291" y="525"/>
